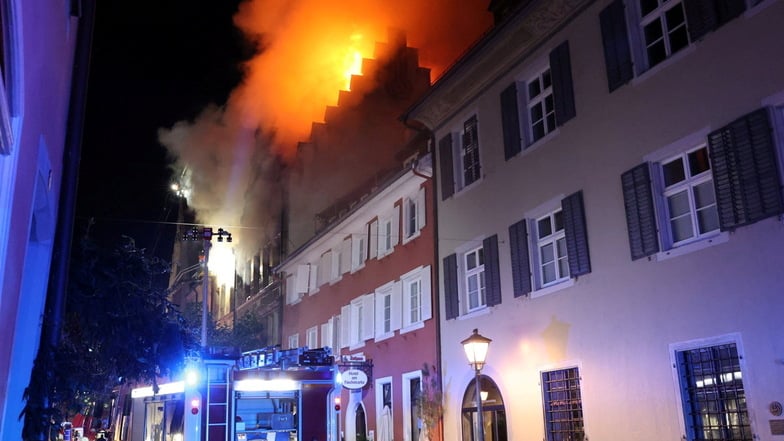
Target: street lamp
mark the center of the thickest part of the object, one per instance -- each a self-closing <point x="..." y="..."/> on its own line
<point x="475" y="348"/>
<point x="206" y="235"/>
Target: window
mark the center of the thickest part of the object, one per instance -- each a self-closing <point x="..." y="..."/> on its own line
<point x="293" y="341"/>
<point x="358" y="251"/>
<point x="357" y="320"/>
<point x="662" y="28"/>
<point x="312" y="338"/>
<point x="731" y="182"/>
<point x="547" y="98"/>
<point x="563" y="405"/>
<point x="416" y="296"/>
<point x="325" y="268"/>
<point x="388" y="310"/>
<point x="541" y="108"/>
<point x="470" y="152"/>
<point x="688" y="194"/>
<point x="479" y="275"/>
<point x="714" y="399"/>
<point x="388" y="232"/>
<point x="9" y="66"/>
<point x="493" y="411"/>
<point x="412" y="397"/>
<point x="461" y="168"/>
<point x="475" y="278"/>
<point x="385" y="427"/>
<point x="326" y="334"/>
<point x="413" y="215"/>
<point x="552" y="263"/>
<point x="558" y="245"/>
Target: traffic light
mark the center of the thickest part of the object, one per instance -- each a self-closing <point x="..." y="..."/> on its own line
<point x="195" y="406"/>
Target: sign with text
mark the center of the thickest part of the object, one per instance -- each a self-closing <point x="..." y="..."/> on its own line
<point x="354" y="379"/>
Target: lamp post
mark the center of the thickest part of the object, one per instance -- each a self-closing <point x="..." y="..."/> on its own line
<point x="205" y="234"/>
<point x="475" y="348"/>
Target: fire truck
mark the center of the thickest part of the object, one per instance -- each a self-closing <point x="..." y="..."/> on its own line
<point x="267" y="394"/>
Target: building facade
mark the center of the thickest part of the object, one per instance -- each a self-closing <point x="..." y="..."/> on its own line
<point x="364" y="288"/>
<point x="41" y="108"/>
<point x="609" y="214"/>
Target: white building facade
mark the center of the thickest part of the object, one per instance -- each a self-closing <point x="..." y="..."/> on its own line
<point x="39" y="123"/>
<point x="609" y="214"/>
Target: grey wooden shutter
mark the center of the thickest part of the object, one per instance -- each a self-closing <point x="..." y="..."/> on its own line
<point x="451" y="295"/>
<point x="576" y="234"/>
<point x="518" y="245"/>
<point x="510" y="121"/>
<point x="640" y="216"/>
<point x="492" y="271"/>
<point x="745" y="173"/>
<point x="703" y="16"/>
<point x="615" y="40"/>
<point x="563" y="87"/>
<point x="447" y="166"/>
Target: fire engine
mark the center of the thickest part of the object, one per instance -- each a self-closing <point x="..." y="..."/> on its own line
<point x="266" y="394"/>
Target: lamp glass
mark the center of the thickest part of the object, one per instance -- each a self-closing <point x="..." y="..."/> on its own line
<point x="475" y="348"/>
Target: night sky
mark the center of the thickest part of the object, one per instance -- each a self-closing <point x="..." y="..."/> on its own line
<point x="153" y="63"/>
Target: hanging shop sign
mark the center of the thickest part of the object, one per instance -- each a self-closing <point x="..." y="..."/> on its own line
<point x="354" y="378"/>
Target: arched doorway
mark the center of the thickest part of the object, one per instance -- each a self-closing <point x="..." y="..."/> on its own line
<point x="361" y="423"/>
<point x="493" y="413"/>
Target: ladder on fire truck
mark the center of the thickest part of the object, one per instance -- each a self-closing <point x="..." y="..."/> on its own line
<point x="216" y="401"/>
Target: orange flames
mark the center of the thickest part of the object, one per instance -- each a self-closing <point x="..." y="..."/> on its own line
<point x="309" y="49"/>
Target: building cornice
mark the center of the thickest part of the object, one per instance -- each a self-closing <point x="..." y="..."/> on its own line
<point x="500" y="50"/>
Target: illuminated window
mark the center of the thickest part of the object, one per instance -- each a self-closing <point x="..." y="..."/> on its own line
<point x="475" y="278"/>
<point x="714" y="399"/>
<point x="493" y="411"/>
<point x="563" y="405"/>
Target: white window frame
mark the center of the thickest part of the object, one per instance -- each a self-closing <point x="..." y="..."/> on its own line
<point x="545" y="402"/>
<point x="325" y="268"/>
<point x="462" y="152"/>
<point x="413" y="215"/>
<point x="419" y="302"/>
<point x="552" y="240"/>
<point x="293" y="341"/>
<point x="538" y="289"/>
<point x="539" y="100"/>
<point x="292" y="296"/>
<point x="379" y="384"/>
<point x="358" y="251"/>
<point x="311" y="337"/>
<point x="388" y="232"/>
<point x="327" y="335"/>
<point x="479" y="272"/>
<point x="406" y="396"/>
<point x="678" y="147"/>
<point x="667" y="29"/>
<point x="388" y="310"/>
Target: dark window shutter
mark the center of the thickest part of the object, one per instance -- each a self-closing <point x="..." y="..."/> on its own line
<point x="640" y="216"/>
<point x="563" y="87"/>
<point x="510" y="121"/>
<point x="745" y="172"/>
<point x="451" y="295"/>
<point x="703" y="16"/>
<point x="576" y="234"/>
<point x="521" y="272"/>
<point x="447" y="167"/>
<point x="615" y="40"/>
<point x="492" y="271"/>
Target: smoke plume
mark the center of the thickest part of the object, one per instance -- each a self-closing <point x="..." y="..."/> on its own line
<point x="306" y="52"/>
